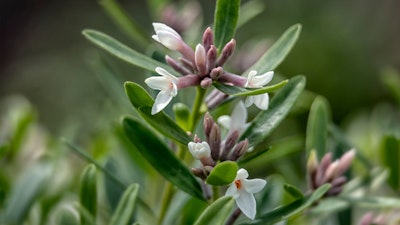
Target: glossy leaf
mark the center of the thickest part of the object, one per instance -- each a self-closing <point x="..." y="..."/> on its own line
<point x="285" y="212"/>
<point x="142" y="101"/>
<point x="25" y="192"/>
<point x="278" y="51"/>
<point x="217" y="212"/>
<point x="123" y="213"/>
<point x="161" y="157"/>
<point x="121" y="51"/>
<point x="223" y="173"/>
<point x="225" y="20"/>
<point x="240" y="91"/>
<point x="293" y="191"/>
<point x="391" y="158"/>
<point x="88" y="191"/>
<point x="317" y="127"/>
<point x="266" y="121"/>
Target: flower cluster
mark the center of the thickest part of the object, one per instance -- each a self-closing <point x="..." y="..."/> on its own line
<point x="200" y="67"/>
<point x="329" y="172"/>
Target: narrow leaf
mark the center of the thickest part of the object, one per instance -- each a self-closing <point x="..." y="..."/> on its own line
<point x="266" y="121"/>
<point x="123" y="213"/>
<point x="292" y="209"/>
<point x="391" y="157"/>
<point x="249" y="10"/>
<point x="278" y="52"/>
<point x="161" y="157"/>
<point x="217" y="212"/>
<point x="142" y="101"/>
<point x="317" y="127"/>
<point x="225" y="20"/>
<point x="182" y="115"/>
<point x="240" y="91"/>
<point x="66" y="217"/>
<point x="293" y="191"/>
<point x="88" y="191"/>
<point x="223" y="173"/>
<point x="121" y="51"/>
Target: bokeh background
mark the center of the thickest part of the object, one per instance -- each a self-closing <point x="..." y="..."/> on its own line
<point x="344" y="48"/>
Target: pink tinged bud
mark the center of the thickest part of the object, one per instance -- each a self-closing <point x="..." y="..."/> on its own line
<point x="187" y="64"/>
<point x="199" y="173"/>
<point x="199" y="150"/>
<point x="216" y="99"/>
<point x="200" y="59"/>
<point x="339" y="182"/>
<point x="334" y="191"/>
<point x="186" y="51"/>
<point x="178" y="67"/>
<point x="208" y="124"/>
<point x="215" y="141"/>
<point x="324" y="164"/>
<point x="216" y="73"/>
<point x="188" y="81"/>
<point x="232" y="79"/>
<point x="226" y="52"/>
<point x="206" y="82"/>
<point x="330" y="172"/>
<point x="239" y="150"/>
<point x="229" y="144"/>
<point x="208" y="38"/>
<point x="367" y="219"/>
<point x="345" y="162"/>
<point x="211" y="57"/>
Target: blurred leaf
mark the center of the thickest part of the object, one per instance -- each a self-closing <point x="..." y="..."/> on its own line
<point x="293" y="191"/>
<point x="249" y="10"/>
<point x="330" y="205"/>
<point x="287" y="211"/>
<point x="26" y="116"/>
<point x="83" y="212"/>
<point x="4" y="149"/>
<point x="161" y="157"/>
<point x="266" y="121"/>
<point x="123" y="213"/>
<point x="239" y="91"/>
<point x="67" y="217"/>
<point x="225" y="20"/>
<point x="374" y="202"/>
<point x="217" y="212"/>
<point x="390" y="155"/>
<point x="317" y="127"/>
<point x="142" y="101"/>
<point x="182" y="115"/>
<point x="121" y="19"/>
<point x="88" y="191"/>
<point x="223" y="173"/>
<point x="278" y="52"/>
<point x="391" y="78"/>
<point x="121" y="51"/>
<point x="26" y="191"/>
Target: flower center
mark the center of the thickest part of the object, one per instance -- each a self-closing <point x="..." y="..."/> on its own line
<point x="238" y="184"/>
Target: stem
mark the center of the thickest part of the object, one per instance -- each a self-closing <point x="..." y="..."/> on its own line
<point x="233" y="217"/>
<point x="196" y="107"/>
<point x="215" y="193"/>
<point x="168" y="194"/>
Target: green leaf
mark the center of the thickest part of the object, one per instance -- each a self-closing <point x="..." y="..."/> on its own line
<point x="240" y="91"/>
<point x="88" y="191"/>
<point x="121" y="51"/>
<point x="161" y="157"/>
<point x="223" y="173"/>
<point x="278" y="52"/>
<point x="293" y="191"/>
<point x="142" y="101"/>
<point x="182" y="115"/>
<point x="225" y="20"/>
<point x="266" y="121"/>
<point x="217" y="212"/>
<point x="292" y="209"/>
<point x="123" y="213"/>
<point x="26" y="191"/>
<point x="317" y="127"/>
<point x="390" y="155"/>
<point x="249" y="10"/>
<point x="67" y="217"/>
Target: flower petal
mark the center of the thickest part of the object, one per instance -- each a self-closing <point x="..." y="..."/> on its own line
<point x="261" y="101"/>
<point x="166" y="74"/>
<point x="232" y="191"/>
<point x="170" y="41"/>
<point x="250" y="77"/>
<point x="239" y="117"/>
<point x="261" y="80"/>
<point x="254" y="185"/>
<point x="162" y="27"/>
<point x="241" y="174"/>
<point x="249" y="101"/>
<point x="247" y="204"/>
<point x="158" y="83"/>
<point x="162" y="100"/>
<point x="225" y="121"/>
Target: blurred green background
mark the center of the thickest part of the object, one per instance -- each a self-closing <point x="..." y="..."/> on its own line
<point x="343" y="49"/>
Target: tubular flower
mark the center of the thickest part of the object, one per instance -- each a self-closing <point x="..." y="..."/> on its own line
<point x="167" y="84"/>
<point x="253" y="81"/>
<point x="237" y="120"/>
<point x="199" y="150"/>
<point x="242" y="190"/>
<point x="167" y="36"/>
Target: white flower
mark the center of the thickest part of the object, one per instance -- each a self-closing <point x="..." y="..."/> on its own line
<point x="167" y="36"/>
<point x="237" y="120"/>
<point x="253" y="81"/>
<point x="167" y="86"/>
<point x="242" y="190"/>
<point x="199" y="150"/>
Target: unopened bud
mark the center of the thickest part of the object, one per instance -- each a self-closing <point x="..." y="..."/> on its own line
<point x="211" y="57"/>
<point x="208" y="38"/>
<point x="226" y="52"/>
<point x="199" y="173"/>
<point x="229" y="144"/>
<point x="312" y="163"/>
<point x="330" y="172"/>
<point x="178" y="67"/>
<point x="206" y="82"/>
<point x="239" y="150"/>
<point x="199" y="150"/>
<point x="216" y="73"/>
<point x="207" y="124"/>
<point x="215" y="141"/>
<point x="200" y="59"/>
<point x="323" y="165"/>
<point x="345" y="162"/>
